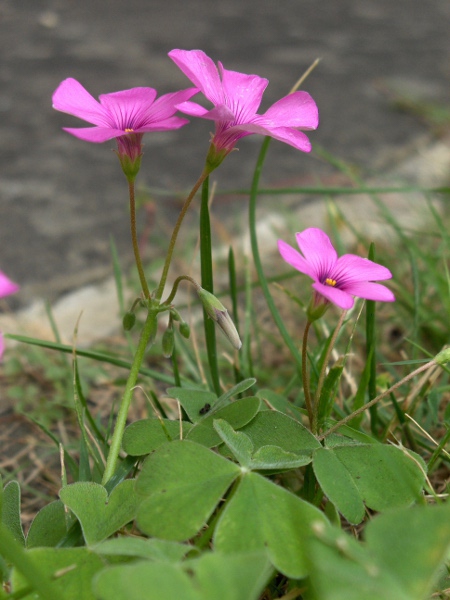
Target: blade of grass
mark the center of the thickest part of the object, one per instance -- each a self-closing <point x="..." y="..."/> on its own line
<point x="208" y="285"/>
<point x="93" y="354"/>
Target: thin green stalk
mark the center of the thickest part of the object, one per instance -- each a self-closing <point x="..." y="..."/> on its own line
<point x="208" y="284"/>
<point x="257" y="259"/>
<point x="173" y="239"/>
<point x="148" y="331"/>
<point x="323" y="370"/>
<point x="137" y="254"/>
<point x="308" y="401"/>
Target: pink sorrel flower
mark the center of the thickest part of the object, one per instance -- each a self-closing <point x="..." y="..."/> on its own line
<point x="7" y="287"/>
<point x="124" y="115"/>
<point x="236" y="98"/>
<point x="336" y="280"/>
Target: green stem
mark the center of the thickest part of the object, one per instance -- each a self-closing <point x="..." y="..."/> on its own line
<point x="308" y="402"/>
<point x="208" y="284"/>
<point x="137" y="254"/>
<point x="148" y="332"/>
<point x="323" y="370"/>
<point x="176" y="283"/>
<point x="173" y="239"/>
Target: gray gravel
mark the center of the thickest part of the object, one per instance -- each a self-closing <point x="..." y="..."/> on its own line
<point x="61" y="198"/>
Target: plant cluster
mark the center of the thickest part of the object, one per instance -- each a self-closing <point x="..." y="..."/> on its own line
<point x="230" y="489"/>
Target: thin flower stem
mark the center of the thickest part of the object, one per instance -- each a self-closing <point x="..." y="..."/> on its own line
<point x="378" y="398"/>
<point x="308" y="401"/>
<point x="173" y="239"/>
<point x="323" y="370"/>
<point x="176" y="283"/>
<point x="137" y="254"/>
<point x="147" y="333"/>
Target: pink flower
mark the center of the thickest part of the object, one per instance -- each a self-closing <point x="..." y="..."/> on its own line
<point x="336" y="280"/>
<point x="124" y="115"/>
<point x="7" y="287"/>
<point x="236" y="98"/>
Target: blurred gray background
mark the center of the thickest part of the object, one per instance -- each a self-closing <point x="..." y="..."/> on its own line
<point x="61" y="198"/>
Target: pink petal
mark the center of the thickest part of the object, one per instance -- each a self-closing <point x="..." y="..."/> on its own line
<point x="290" y="136"/>
<point x="318" y="251"/>
<point x="351" y="268"/>
<point x="165" y="125"/>
<point x="296" y="260"/>
<point x="7" y="286"/>
<point x="166" y="105"/>
<point x="72" y="98"/>
<point x="97" y="135"/>
<point x="201" y="70"/>
<point x="220" y="114"/>
<point x="242" y="93"/>
<point x="295" y="110"/>
<point x="334" y="295"/>
<point x="128" y="108"/>
<point x="371" y="291"/>
<point x="192" y="109"/>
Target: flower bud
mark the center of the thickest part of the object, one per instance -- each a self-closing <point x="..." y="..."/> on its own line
<point x="168" y="342"/>
<point x="218" y="313"/>
<point x="128" y="321"/>
<point x="185" y="330"/>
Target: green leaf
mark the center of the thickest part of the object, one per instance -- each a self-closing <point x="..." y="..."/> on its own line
<point x="183" y="482"/>
<point x="149" y="580"/>
<point x="143" y="548"/>
<point x="240" y="444"/>
<point x="10" y="510"/>
<point x="100" y="515"/>
<point x="281" y="404"/>
<point x="237" y="414"/>
<point x="340" y="568"/>
<point x="69" y="572"/>
<point x="263" y="516"/>
<point x="380" y="476"/>
<point x="411" y="544"/>
<point x="192" y="400"/>
<point x="48" y="526"/>
<point x="211" y="576"/>
<point x="338" y="485"/>
<point x="239" y="388"/>
<point x="385" y="476"/>
<point x="274" y="458"/>
<point x="276" y="429"/>
<point x="142" y="437"/>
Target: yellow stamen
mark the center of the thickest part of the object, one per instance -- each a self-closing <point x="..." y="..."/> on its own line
<point x="331" y="282"/>
<point x="129" y="130"/>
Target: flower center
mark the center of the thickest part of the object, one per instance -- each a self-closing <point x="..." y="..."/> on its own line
<point x="129" y="130"/>
<point x="329" y="281"/>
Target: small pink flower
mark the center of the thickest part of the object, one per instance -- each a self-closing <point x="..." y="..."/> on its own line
<point x="7" y="287"/>
<point x="124" y="115"/>
<point x="336" y="280"/>
<point x="236" y="98"/>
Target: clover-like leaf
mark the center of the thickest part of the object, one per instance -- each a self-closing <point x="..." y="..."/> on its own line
<point x="100" y="515"/>
<point x="181" y="484"/>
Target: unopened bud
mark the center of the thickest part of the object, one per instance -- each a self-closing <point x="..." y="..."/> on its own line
<point x="128" y="321"/>
<point x="168" y="342"/>
<point x="218" y="313"/>
<point x="185" y="330"/>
